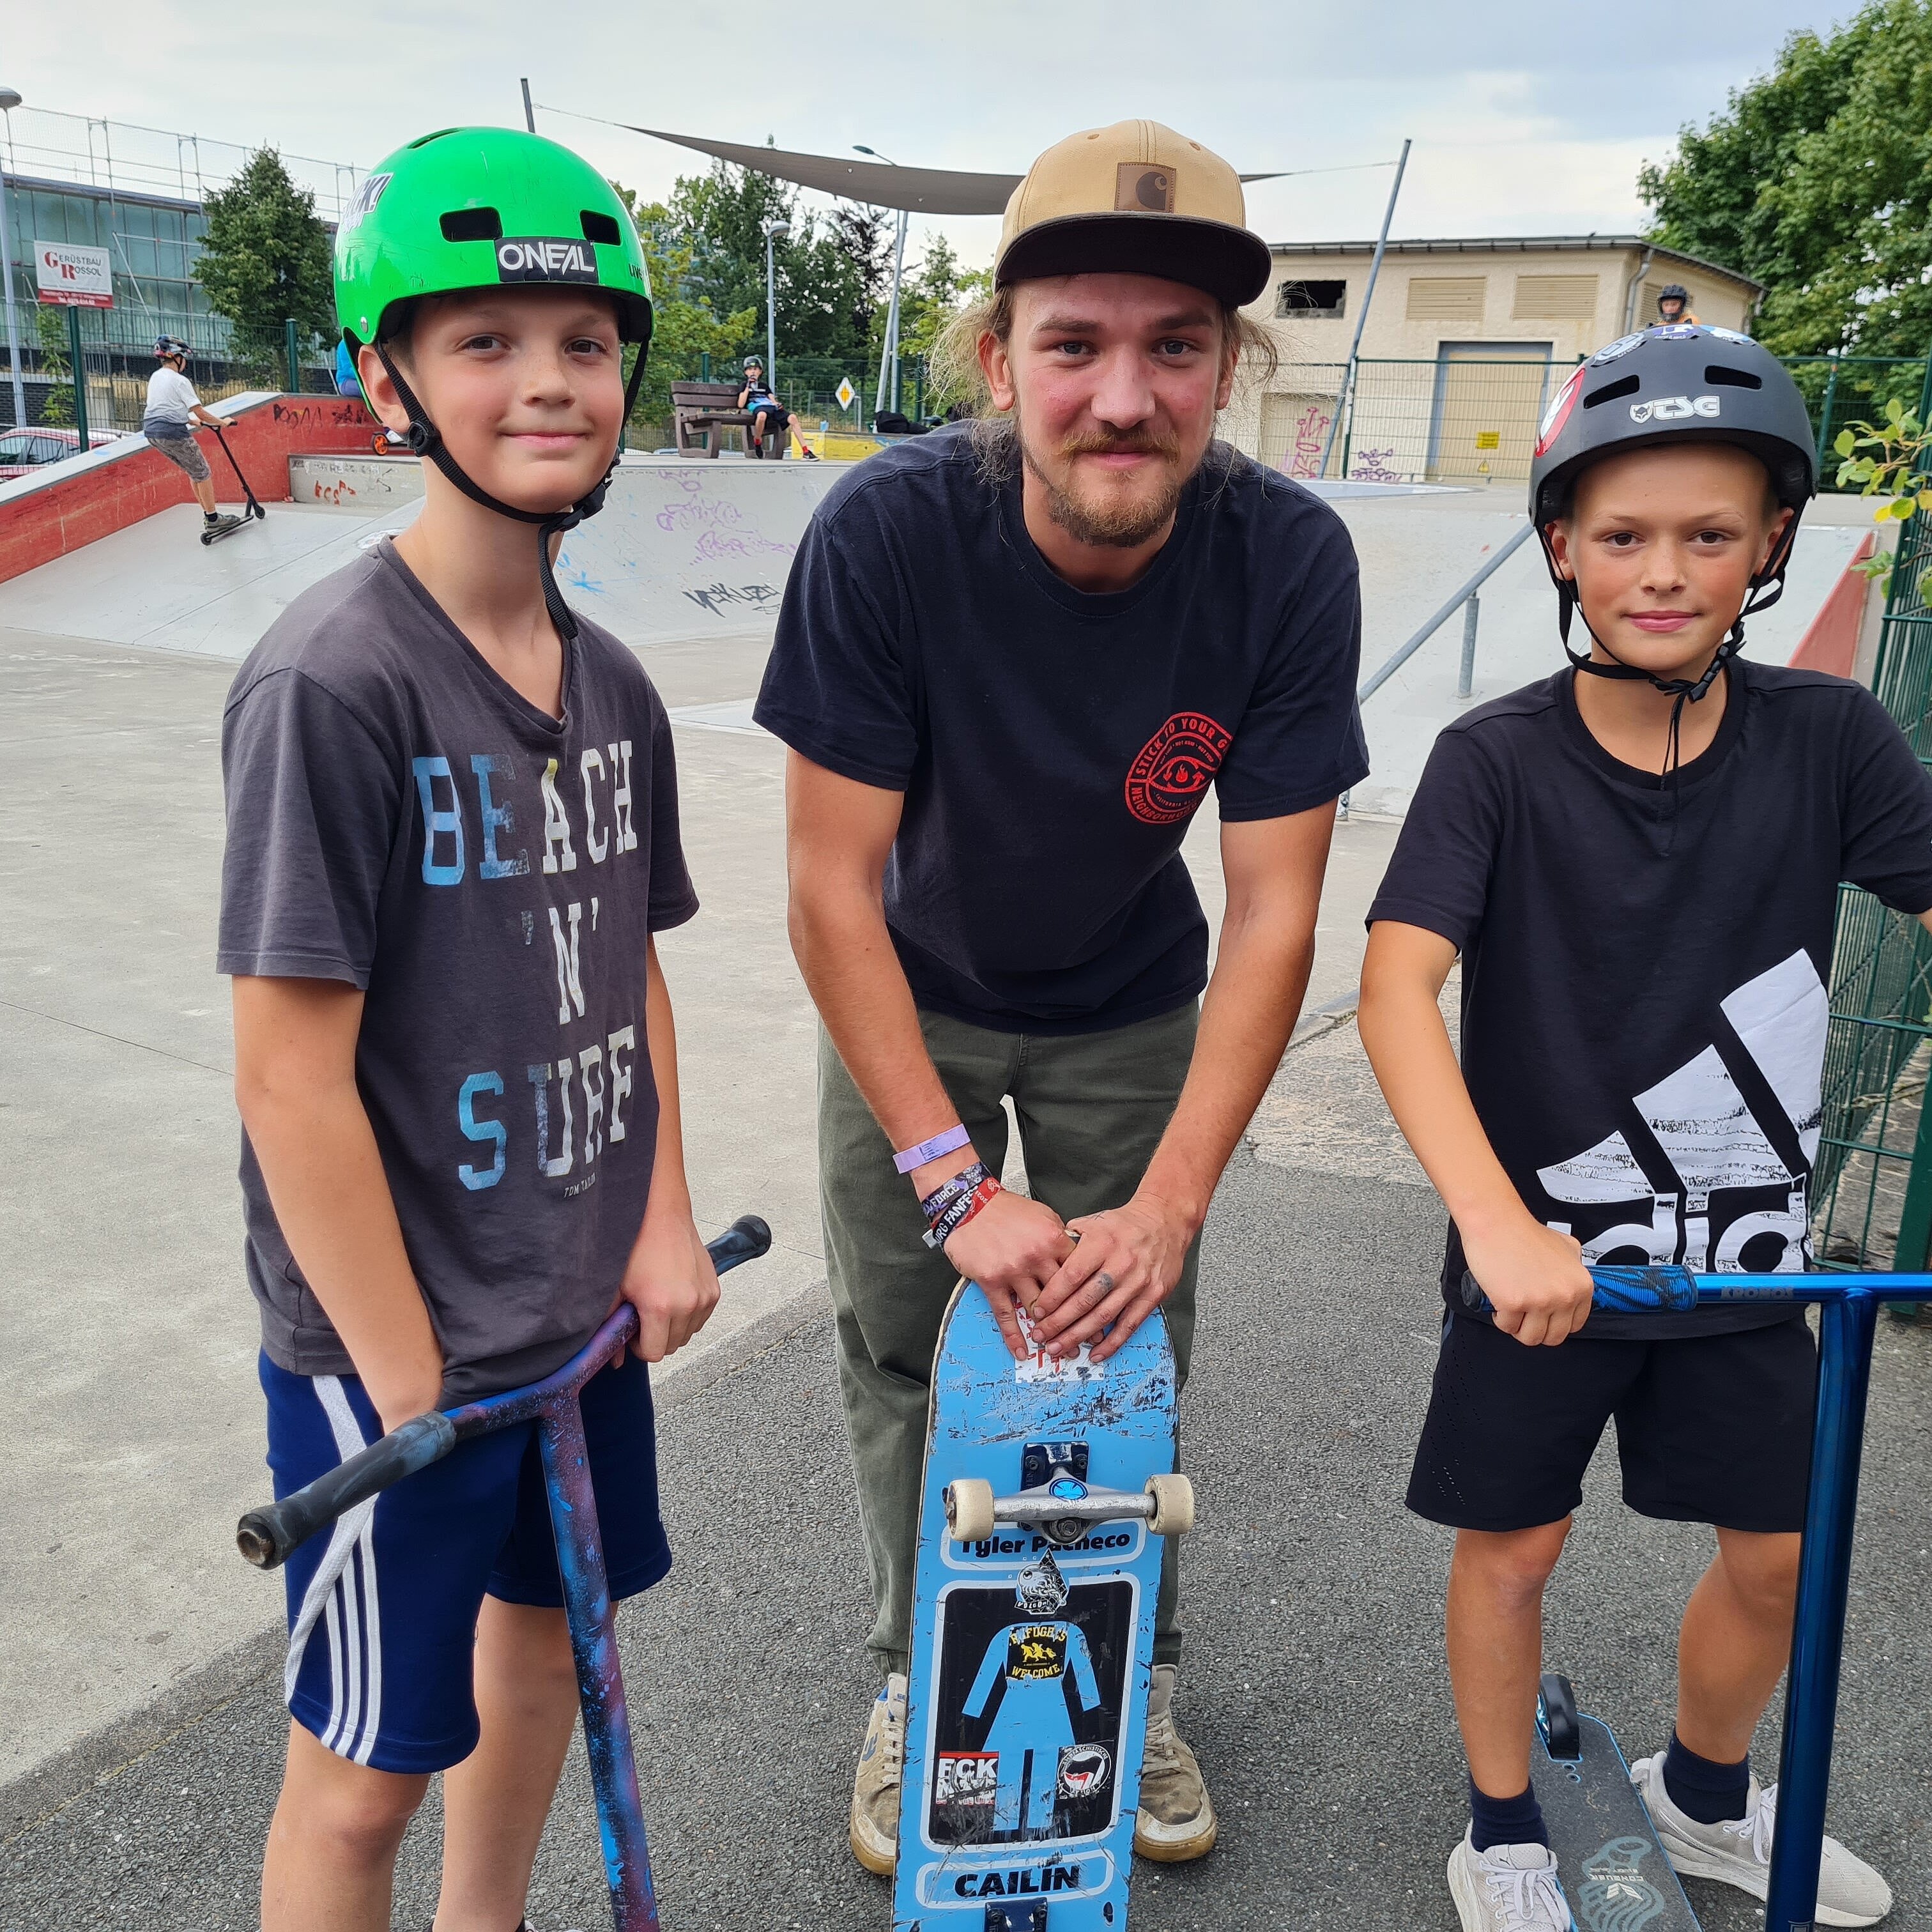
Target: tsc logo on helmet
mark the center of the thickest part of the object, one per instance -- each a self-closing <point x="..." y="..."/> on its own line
<point x="534" y="258"/>
<point x="1673" y="408"/>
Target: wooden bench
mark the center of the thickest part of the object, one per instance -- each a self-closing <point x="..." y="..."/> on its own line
<point x="702" y="411"/>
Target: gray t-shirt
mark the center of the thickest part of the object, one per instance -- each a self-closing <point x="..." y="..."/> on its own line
<point x="400" y="819"/>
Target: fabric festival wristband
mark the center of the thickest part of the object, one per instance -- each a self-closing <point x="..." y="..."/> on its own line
<point x="963" y="1183"/>
<point x="955" y="1137"/>
<point x="961" y="1211"/>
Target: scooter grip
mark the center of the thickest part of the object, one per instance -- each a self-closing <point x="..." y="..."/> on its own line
<point x="265" y="1537"/>
<point x="745" y="1239"/>
<point x="1619" y="1290"/>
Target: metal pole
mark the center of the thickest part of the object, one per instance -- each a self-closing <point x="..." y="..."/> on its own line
<point x="529" y="112"/>
<point x="13" y="323"/>
<point x="1347" y="397"/>
<point x="893" y="318"/>
<point x="1824" y="417"/>
<point x="291" y="351"/>
<point x="1465" y="678"/>
<point x="1464" y="593"/>
<point x="771" y="317"/>
<point x="79" y="373"/>
<point x="1846" y="1329"/>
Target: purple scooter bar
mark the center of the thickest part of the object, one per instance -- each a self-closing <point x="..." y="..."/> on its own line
<point x="266" y="1536"/>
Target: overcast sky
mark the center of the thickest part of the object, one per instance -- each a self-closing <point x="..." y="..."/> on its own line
<point x="1528" y="119"/>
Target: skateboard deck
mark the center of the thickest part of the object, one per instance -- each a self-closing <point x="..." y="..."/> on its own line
<point x="1616" y="1876"/>
<point x="1026" y="1706"/>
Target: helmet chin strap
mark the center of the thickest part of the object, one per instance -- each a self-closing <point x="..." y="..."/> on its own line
<point x="426" y="440"/>
<point x="1765" y="589"/>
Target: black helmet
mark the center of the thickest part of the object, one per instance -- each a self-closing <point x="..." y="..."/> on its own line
<point x="1673" y="291"/>
<point x="167" y="346"/>
<point x="1680" y="383"/>
<point x="754" y="361"/>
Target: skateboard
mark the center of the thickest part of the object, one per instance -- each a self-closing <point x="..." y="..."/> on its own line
<point x="1048" y="1489"/>
<point x="1616" y="1875"/>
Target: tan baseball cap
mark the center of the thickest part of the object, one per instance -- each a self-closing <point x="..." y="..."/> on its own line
<point x="1133" y="198"/>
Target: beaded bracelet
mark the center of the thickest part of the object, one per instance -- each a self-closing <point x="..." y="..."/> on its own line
<point x="953" y="1218"/>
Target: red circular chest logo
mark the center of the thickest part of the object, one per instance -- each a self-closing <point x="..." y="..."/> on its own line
<point x="1165" y="782"/>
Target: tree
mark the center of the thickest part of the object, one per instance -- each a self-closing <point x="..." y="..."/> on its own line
<point x="1817" y="182"/>
<point x="933" y="297"/>
<point x="56" y="358"/>
<point x="266" y="255"/>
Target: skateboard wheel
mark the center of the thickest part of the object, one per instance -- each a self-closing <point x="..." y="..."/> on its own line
<point x="1173" y="1505"/>
<point x="969" y="1510"/>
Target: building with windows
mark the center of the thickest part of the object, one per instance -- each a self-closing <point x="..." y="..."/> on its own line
<point x="1465" y="343"/>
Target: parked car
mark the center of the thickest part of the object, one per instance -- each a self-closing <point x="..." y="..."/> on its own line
<point x="24" y="450"/>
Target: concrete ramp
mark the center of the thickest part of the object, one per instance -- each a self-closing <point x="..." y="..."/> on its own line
<point x="682" y="549"/>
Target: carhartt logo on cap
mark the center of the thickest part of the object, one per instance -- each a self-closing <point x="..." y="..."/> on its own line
<point x="1140" y="190"/>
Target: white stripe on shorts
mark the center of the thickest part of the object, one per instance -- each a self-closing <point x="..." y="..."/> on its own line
<point x="341" y="1596"/>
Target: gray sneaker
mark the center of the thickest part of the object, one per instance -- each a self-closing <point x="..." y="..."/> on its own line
<point x="1508" y="1888"/>
<point x="1176" y="1820"/>
<point x="1737" y="1851"/>
<point x="875" y="1830"/>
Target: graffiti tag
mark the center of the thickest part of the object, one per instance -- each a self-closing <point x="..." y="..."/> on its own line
<point x="718" y="596"/>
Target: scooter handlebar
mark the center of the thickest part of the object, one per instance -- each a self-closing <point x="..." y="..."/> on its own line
<point x="265" y="1537"/>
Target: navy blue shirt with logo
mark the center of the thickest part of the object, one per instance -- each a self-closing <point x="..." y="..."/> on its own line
<point x="1053" y="744"/>
<point x="1645" y="961"/>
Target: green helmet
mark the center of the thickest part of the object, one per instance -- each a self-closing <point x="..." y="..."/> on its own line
<point x="472" y="208"/>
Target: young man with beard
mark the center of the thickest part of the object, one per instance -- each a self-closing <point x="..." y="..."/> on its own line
<point x="1011" y="660"/>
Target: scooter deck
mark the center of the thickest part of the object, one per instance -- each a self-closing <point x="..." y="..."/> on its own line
<point x="1616" y="1876"/>
<point x="1027" y="1700"/>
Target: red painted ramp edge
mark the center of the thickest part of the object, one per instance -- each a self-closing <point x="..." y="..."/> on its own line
<point x="70" y="504"/>
<point x="1830" y="640"/>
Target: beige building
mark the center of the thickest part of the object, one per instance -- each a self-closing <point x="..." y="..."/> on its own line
<point x="1465" y="343"/>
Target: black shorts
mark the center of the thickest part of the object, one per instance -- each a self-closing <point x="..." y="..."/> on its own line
<point x="1711" y="1429"/>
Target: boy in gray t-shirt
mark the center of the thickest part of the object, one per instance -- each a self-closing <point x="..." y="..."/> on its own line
<point x="453" y="832"/>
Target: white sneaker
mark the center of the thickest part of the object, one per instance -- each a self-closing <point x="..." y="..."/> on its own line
<point x="1508" y="1889"/>
<point x="873" y="1832"/>
<point x="1737" y="1851"/>
<point x="1176" y="1820"/>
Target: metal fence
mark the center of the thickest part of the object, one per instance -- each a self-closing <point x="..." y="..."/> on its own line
<point x="1873" y="1187"/>
<point x="1473" y="419"/>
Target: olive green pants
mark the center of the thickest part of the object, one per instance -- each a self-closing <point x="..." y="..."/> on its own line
<point x="1091" y="1109"/>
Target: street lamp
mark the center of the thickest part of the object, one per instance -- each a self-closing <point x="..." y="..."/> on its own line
<point x="773" y="230"/>
<point x="890" y="359"/>
<point x="10" y="99"/>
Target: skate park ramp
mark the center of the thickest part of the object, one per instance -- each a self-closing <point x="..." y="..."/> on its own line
<point x="681" y="550"/>
<point x="684" y="551"/>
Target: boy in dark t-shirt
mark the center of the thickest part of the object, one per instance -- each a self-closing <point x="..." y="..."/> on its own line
<point x="452" y="832"/>
<point x="1639" y="866"/>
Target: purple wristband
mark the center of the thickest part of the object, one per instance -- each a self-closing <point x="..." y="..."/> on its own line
<point x="955" y="1137"/>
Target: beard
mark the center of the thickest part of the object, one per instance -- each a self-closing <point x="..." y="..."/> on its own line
<point x="1110" y="519"/>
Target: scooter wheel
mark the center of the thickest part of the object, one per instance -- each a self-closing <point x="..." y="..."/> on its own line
<point x="256" y="511"/>
<point x="205" y="539"/>
<point x="969" y="1510"/>
<point x="1173" y="1505"/>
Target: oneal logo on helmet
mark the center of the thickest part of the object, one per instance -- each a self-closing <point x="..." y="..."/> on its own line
<point x="533" y="258"/>
<point x="1673" y="408"/>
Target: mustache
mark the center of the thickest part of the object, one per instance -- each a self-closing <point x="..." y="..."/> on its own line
<point x="1135" y="442"/>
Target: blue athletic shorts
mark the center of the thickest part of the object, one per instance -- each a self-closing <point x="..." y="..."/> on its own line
<point x="382" y="1611"/>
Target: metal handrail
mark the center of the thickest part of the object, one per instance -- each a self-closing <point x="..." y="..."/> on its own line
<point x="1442" y="616"/>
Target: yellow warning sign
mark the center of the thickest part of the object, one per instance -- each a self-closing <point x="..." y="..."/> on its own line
<point x="1489" y="439"/>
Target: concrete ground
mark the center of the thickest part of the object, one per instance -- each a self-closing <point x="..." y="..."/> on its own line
<point x="130" y="1426"/>
<point x="1312" y="1686"/>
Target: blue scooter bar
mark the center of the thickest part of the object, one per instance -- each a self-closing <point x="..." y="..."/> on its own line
<point x="1656" y="1291"/>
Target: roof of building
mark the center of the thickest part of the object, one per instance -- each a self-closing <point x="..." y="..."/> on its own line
<point x="1518" y="244"/>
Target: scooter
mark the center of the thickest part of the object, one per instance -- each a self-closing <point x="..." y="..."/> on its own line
<point x="1614" y="1873"/>
<point x="226" y="526"/>
<point x="265" y="1537"/>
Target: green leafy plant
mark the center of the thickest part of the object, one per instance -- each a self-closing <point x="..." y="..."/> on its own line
<point x="50" y="331"/>
<point x="1889" y="462"/>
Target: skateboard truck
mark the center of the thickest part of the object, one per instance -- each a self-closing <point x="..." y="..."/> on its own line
<point x="999" y="1919"/>
<point x="1063" y="1507"/>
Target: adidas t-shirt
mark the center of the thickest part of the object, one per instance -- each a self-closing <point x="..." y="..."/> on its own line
<point x="1644" y="961"/>
<point x="1053" y="744"/>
